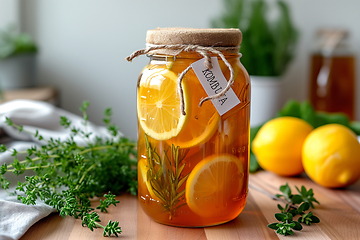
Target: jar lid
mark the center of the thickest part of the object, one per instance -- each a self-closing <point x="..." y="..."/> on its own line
<point x="207" y="37"/>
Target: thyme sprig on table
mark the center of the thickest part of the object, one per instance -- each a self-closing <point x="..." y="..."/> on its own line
<point x="68" y="175"/>
<point x="296" y="204"/>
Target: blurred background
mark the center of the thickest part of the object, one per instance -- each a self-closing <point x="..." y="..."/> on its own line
<point x="81" y="46"/>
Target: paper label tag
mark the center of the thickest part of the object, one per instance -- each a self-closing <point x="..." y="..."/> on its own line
<point x="213" y="82"/>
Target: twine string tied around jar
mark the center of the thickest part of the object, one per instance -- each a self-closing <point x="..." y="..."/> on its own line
<point x="203" y="51"/>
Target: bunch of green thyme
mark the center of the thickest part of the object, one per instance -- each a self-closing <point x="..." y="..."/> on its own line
<point x="68" y="175"/>
<point x="296" y="204"/>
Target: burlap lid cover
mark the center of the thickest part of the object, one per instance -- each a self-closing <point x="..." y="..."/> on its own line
<point x="207" y="37"/>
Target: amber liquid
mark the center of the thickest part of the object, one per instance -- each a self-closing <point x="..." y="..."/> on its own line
<point x="230" y="136"/>
<point x="340" y="88"/>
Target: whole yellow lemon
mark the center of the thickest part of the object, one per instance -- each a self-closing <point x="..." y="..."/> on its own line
<point x="278" y="145"/>
<point x="331" y="156"/>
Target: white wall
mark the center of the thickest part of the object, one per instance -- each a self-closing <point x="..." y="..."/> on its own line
<point x="84" y="43"/>
<point x="9" y="13"/>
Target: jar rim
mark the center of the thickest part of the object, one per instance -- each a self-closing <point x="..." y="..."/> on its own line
<point x="183" y="55"/>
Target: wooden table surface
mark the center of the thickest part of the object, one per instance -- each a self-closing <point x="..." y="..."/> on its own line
<point x="339" y="213"/>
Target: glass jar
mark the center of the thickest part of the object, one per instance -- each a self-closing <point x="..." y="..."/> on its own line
<point x="332" y="78"/>
<point x="192" y="161"/>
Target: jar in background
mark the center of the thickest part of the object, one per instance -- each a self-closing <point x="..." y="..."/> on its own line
<point x="192" y="160"/>
<point x="332" y="78"/>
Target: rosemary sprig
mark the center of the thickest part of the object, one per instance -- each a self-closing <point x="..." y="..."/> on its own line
<point x="81" y="172"/>
<point x="165" y="176"/>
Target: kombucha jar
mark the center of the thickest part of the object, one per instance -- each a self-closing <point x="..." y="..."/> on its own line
<point x="332" y="77"/>
<point x="193" y="154"/>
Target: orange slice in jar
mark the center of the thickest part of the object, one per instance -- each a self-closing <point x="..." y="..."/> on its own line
<point x="213" y="184"/>
<point x="158" y="103"/>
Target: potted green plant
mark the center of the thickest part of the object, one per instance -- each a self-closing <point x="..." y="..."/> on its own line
<point x="267" y="48"/>
<point x="17" y="59"/>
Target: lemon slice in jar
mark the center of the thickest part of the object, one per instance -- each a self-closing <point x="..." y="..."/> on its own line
<point x="199" y="129"/>
<point x="158" y="103"/>
<point x="142" y="169"/>
<point x="203" y="121"/>
<point x="213" y="183"/>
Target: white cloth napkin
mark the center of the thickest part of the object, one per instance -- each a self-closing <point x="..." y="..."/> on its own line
<point x="16" y="218"/>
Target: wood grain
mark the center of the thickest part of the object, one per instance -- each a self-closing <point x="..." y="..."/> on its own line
<point x="339" y="213"/>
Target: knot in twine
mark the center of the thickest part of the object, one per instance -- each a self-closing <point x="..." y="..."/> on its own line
<point x="203" y="51"/>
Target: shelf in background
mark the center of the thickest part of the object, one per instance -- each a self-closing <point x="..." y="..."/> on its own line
<point x="46" y="94"/>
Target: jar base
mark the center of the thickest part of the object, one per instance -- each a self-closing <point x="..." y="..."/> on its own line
<point x="195" y="226"/>
<point x="187" y="219"/>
